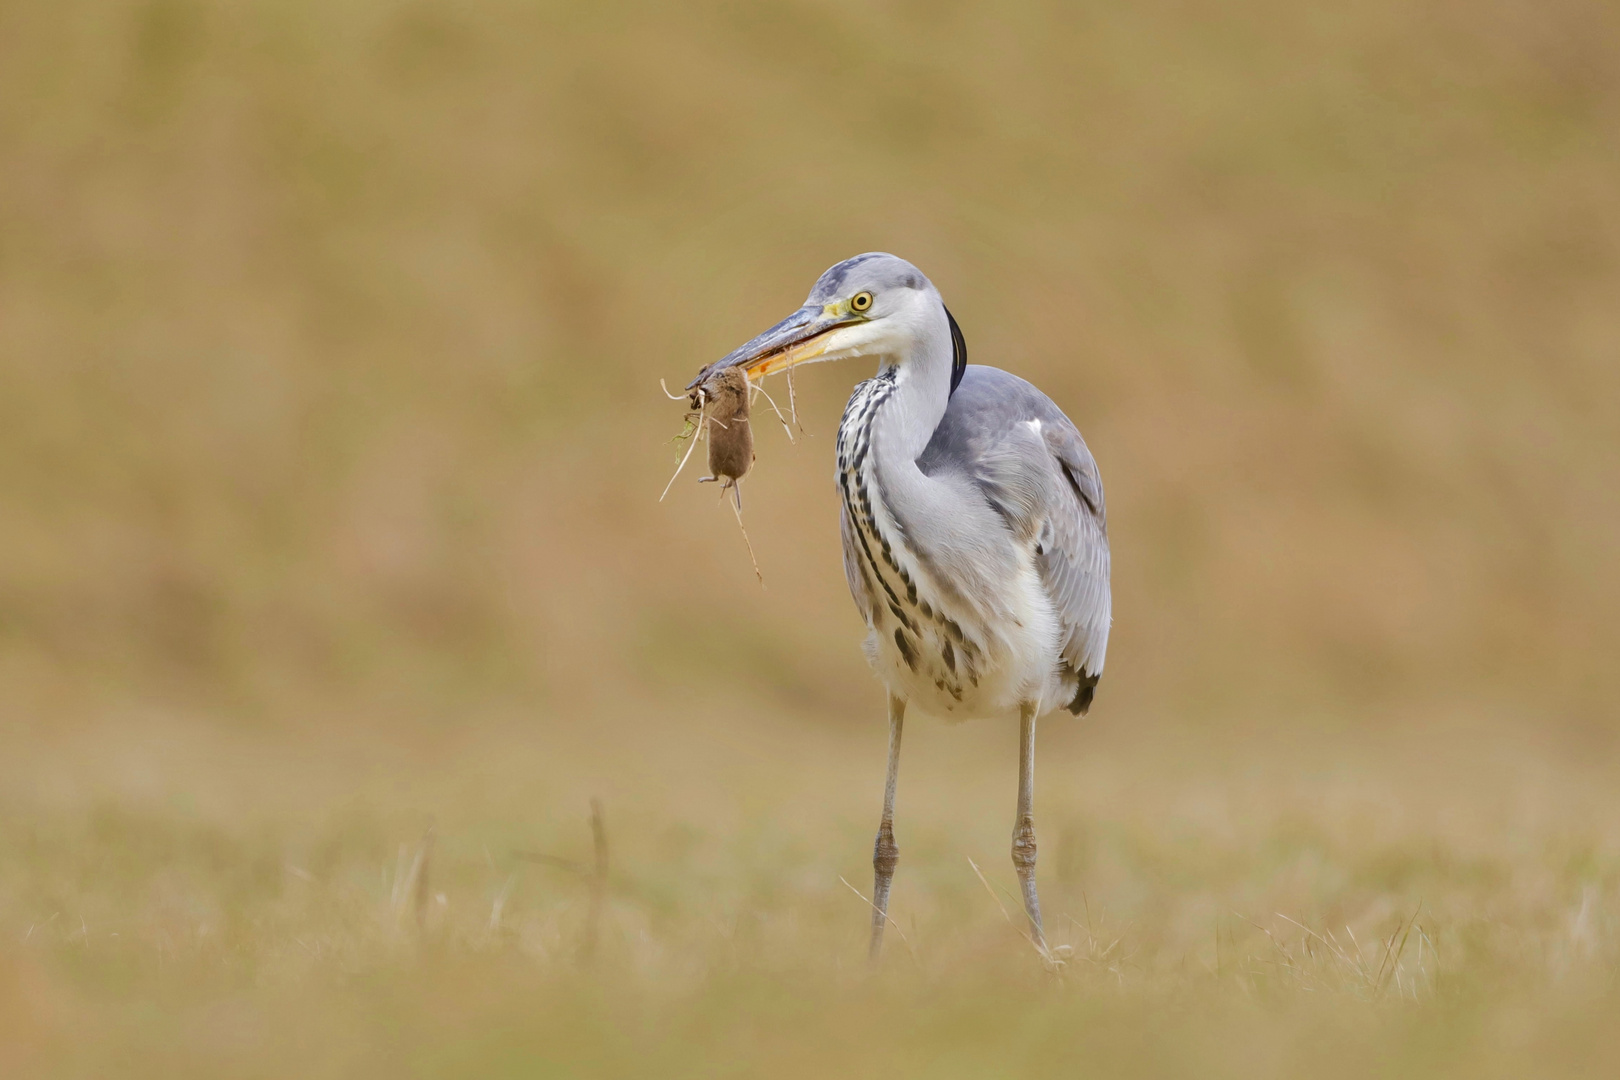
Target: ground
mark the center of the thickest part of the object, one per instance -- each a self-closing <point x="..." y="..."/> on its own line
<point x="213" y="904"/>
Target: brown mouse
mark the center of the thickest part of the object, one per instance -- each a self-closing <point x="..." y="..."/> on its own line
<point x="723" y="399"/>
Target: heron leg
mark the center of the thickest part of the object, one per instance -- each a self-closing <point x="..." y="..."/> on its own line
<point x="1023" y="840"/>
<point x="885" y="853"/>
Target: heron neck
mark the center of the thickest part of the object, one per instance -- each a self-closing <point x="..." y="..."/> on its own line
<point x="901" y="426"/>
<point x="905" y="422"/>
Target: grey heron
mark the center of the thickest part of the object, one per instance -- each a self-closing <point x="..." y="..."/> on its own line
<point x="974" y="532"/>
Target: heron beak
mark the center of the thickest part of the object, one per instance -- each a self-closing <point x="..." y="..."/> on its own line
<point x="801" y="337"/>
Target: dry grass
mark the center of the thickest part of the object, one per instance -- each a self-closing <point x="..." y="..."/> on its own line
<point x="184" y="903"/>
<point x="330" y="445"/>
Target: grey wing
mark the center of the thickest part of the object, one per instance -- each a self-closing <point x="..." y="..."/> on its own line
<point x="1030" y="463"/>
<point x="1073" y="551"/>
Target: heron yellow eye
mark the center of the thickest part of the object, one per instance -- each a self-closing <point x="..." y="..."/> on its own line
<point x="861" y="301"/>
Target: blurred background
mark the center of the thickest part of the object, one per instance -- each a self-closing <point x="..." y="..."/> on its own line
<point x="330" y="339"/>
<point x="331" y="440"/>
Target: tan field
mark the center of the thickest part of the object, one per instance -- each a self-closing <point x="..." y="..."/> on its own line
<point x="334" y="585"/>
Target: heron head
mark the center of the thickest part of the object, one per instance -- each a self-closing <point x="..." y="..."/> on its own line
<point x="871" y="305"/>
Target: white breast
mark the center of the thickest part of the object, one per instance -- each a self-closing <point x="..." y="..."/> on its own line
<point x="925" y="643"/>
<point x="944" y="659"/>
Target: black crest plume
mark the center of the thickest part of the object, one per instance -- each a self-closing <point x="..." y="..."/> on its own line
<point x="958" y="351"/>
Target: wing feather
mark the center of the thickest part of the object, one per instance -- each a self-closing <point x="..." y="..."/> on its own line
<point x="1073" y="557"/>
<point x="1032" y="466"/>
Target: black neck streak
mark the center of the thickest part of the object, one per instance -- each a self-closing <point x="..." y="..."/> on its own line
<point x="875" y="540"/>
